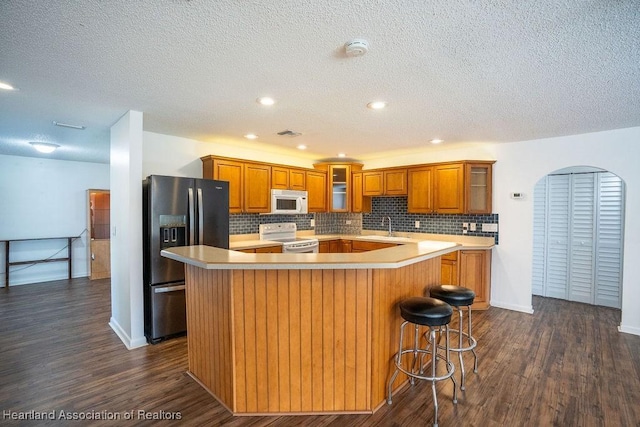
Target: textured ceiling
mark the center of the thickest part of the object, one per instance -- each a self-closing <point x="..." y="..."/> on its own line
<point x="463" y="71"/>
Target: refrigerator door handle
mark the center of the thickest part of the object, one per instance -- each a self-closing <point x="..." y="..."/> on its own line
<point x="166" y="289"/>
<point x="192" y="219"/>
<point x="200" y="218"/>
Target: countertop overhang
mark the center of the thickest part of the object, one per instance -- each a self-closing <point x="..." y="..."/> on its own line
<point x="212" y="258"/>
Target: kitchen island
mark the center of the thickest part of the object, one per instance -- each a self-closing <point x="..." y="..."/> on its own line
<point x="300" y="333"/>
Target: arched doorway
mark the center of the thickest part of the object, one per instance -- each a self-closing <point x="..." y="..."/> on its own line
<point x="578" y="230"/>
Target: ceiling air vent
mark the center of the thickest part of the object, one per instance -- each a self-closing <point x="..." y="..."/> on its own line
<point x="289" y="133"/>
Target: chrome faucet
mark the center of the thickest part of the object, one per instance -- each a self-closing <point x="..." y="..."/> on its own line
<point x="382" y="224"/>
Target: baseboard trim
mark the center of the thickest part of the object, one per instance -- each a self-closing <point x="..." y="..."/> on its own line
<point x="513" y="307"/>
<point x="124" y="337"/>
<point x="628" y="330"/>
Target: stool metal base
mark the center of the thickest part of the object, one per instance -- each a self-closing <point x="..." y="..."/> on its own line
<point x="471" y="344"/>
<point x="418" y="368"/>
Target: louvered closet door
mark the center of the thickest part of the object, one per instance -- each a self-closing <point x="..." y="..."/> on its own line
<point x="582" y="232"/>
<point x="557" y="271"/>
<point x="609" y="240"/>
<point x="539" y="236"/>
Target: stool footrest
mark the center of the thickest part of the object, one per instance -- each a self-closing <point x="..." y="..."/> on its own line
<point x="399" y="365"/>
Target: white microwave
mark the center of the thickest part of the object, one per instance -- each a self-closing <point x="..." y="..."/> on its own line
<point x="288" y="202"/>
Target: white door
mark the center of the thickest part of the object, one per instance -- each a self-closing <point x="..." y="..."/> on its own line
<point x="557" y="271"/>
<point x="539" y="237"/>
<point x="581" y="232"/>
<point x="577" y="242"/>
<point x="609" y="240"/>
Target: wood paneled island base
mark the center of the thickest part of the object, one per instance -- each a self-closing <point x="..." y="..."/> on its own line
<point x="299" y="341"/>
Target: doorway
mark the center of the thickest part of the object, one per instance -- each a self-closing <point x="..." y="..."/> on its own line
<point x="99" y="211"/>
<point x="578" y="229"/>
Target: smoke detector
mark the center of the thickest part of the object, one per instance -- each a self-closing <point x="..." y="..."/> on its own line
<point x="356" y="47"/>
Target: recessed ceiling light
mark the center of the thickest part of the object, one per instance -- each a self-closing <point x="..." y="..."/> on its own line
<point x="6" y="86"/>
<point x="265" y="100"/>
<point x="436" y="141"/>
<point x="251" y="136"/>
<point x="341" y="155"/>
<point x="302" y="147"/>
<point x="377" y="105"/>
<point x="44" y="147"/>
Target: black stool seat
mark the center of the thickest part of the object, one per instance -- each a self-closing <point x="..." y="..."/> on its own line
<point x="453" y="295"/>
<point x="426" y="311"/>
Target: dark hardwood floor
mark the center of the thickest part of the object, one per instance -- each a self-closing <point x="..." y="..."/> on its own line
<point x="566" y="365"/>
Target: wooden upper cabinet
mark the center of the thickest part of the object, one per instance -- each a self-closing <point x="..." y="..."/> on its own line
<point x="317" y="189"/>
<point x="478" y="188"/>
<point x="297" y="179"/>
<point x="227" y="170"/>
<point x="448" y="188"/>
<point x="395" y="182"/>
<point x="420" y="192"/>
<point x="257" y="188"/>
<point x="288" y="179"/>
<point x="339" y="177"/>
<point x="373" y="183"/>
<point x="359" y="203"/>
<point x="280" y="178"/>
<point x="391" y="182"/>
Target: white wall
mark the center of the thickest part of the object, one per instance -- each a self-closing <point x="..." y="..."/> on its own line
<point x="127" y="310"/>
<point x="172" y="155"/>
<point x="519" y="165"/>
<point x="46" y="198"/>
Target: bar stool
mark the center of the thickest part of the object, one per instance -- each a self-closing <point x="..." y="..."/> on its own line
<point x="458" y="297"/>
<point x="436" y="314"/>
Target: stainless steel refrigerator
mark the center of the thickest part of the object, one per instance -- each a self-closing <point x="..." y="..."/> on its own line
<point x="177" y="212"/>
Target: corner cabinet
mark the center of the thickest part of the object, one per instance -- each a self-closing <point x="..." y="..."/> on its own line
<point x="339" y="190"/>
<point x="339" y="187"/>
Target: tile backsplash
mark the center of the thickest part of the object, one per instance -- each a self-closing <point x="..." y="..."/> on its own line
<point x="249" y="223"/>
<point x="354" y="223"/>
<point x="396" y="208"/>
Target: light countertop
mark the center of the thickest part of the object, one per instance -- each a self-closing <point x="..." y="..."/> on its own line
<point x="412" y="248"/>
<point x="212" y="258"/>
<point x="252" y="241"/>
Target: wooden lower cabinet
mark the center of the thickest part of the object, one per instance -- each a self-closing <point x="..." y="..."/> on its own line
<point x="449" y="269"/>
<point x="348" y="246"/>
<point x="471" y="269"/>
<point x="364" y="246"/>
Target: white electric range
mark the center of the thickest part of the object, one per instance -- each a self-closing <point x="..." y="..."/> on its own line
<point x="285" y="232"/>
